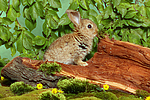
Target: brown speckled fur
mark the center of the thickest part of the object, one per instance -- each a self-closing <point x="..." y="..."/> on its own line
<point x="72" y="48"/>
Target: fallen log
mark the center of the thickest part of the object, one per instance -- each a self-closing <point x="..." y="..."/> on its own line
<point x="121" y="65"/>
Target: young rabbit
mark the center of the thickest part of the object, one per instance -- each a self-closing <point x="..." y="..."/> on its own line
<point x="72" y="48"/>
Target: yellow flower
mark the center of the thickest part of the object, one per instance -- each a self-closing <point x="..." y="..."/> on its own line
<point x="54" y="91"/>
<point x="60" y="91"/>
<point x="147" y="98"/>
<point x="105" y="87"/>
<point x="39" y="86"/>
<point x="2" y="78"/>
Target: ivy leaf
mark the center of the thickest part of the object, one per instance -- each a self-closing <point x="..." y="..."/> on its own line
<point x="30" y="24"/>
<point x="13" y="50"/>
<point x="12" y="14"/>
<point x="93" y="18"/>
<point x="24" y="2"/>
<point x="93" y="12"/>
<point x="30" y="2"/>
<point x="124" y="33"/>
<point x="3" y="5"/>
<point x="99" y="5"/>
<point x="83" y="4"/>
<point x="6" y="21"/>
<point x="19" y="43"/>
<point x="33" y="12"/>
<point x="108" y="11"/>
<point x="122" y="8"/>
<point x="16" y="4"/>
<point x="27" y="42"/>
<point x="148" y="12"/>
<point x="84" y="13"/>
<point x="39" y="8"/>
<point x="55" y="3"/>
<point x="74" y="5"/>
<point x="64" y="20"/>
<point x="130" y="14"/>
<point x="116" y="2"/>
<point x="4" y="33"/>
<point x="46" y="29"/>
<point x="39" y="41"/>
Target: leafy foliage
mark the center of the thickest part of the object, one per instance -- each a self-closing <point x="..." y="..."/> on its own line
<point x="75" y="86"/>
<point x="50" y="68"/>
<point x="126" y="20"/>
<point x="20" y="88"/>
<point x="48" y="95"/>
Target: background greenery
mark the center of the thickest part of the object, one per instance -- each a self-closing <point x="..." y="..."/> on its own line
<point x="28" y="27"/>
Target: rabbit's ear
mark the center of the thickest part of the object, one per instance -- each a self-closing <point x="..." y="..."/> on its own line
<point x="74" y="16"/>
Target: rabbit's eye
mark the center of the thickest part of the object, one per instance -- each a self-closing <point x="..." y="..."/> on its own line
<point x="89" y="26"/>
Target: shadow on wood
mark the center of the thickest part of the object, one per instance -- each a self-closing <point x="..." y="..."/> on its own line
<point x="121" y="65"/>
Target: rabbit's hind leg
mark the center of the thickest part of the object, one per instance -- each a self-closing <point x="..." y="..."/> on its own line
<point x="80" y="62"/>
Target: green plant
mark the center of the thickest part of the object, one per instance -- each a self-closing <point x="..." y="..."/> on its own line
<point x="131" y="97"/>
<point x="142" y="93"/>
<point x="50" y="68"/>
<point x="48" y="95"/>
<point x="126" y="20"/>
<point x="20" y="88"/>
<point x="106" y="96"/>
<point x="75" y="86"/>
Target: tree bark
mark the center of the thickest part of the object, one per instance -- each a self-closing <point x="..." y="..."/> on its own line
<point x="121" y="65"/>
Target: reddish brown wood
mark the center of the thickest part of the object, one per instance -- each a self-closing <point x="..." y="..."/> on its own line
<point x="121" y="65"/>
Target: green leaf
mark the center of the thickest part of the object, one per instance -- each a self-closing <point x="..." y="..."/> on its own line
<point x="124" y="33"/>
<point x="135" y="36"/>
<point x="16" y="4"/>
<point x="147" y="3"/>
<point x="3" y="5"/>
<point x="108" y="11"/>
<point x="93" y="18"/>
<point x="39" y="8"/>
<point x="74" y="5"/>
<point x="84" y="13"/>
<point x="116" y="2"/>
<point x="52" y="22"/>
<point x="27" y="42"/>
<point x="19" y="43"/>
<point x="24" y="2"/>
<point x="30" y="25"/>
<point x="30" y="2"/>
<point x="33" y="12"/>
<point x="142" y="11"/>
<point x="32" y="36"/>
<point x="83" y="4"/>
<point x="148" y="12"/>
<point x="55" y="3"/>
<point x="12" y="14"/>
<point x="39" y="40"/>
<point x="130" y="14"/>
<point x="6" y="21"/>
<point x="64" y="20"/>
<point x="99" y="5"/>
<point x="93" y="12"/>
<point x="46" y="29"/>
<point x="13" y="50"/>
<point x="122" y="8"/>
<point x="4" y="33"/>
<point x="26" y="13"/>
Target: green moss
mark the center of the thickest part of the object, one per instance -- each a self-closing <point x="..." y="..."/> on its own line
<point x="106" y="96"/>
<point x="142" y="93"/>
<point x="75" y="86"/>
<point x="87" y="98"/>
<point x="48" y="95"/>
<point x="5" y="91"/>
<point x="20" y="88"/>
<point x="50" y="68"/>
<point x="131" y="97"/>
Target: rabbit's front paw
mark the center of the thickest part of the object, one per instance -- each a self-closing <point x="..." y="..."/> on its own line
<point x="83" y="63"/>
